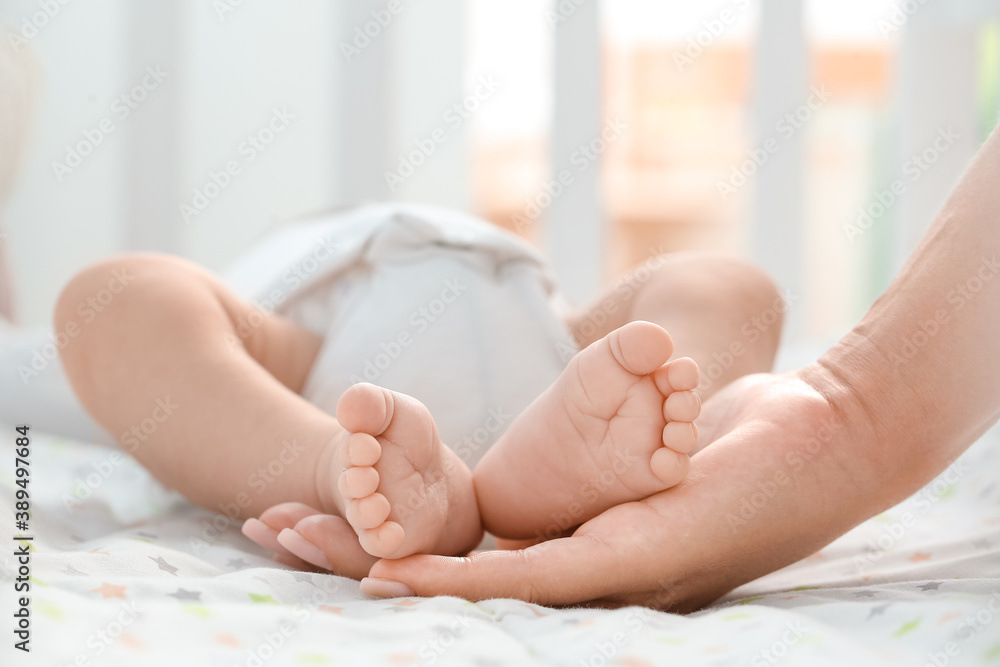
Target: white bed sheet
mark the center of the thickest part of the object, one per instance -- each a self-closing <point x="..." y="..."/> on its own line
<point x="133" y="574"/>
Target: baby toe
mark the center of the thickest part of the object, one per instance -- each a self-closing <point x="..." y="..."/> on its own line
<point x="367" y="513"/>
<point x="358" y="482"/>
<point x="383" y="541"/>
<point x="365" y="408"/>
<point x="641" y="347"/>
<point x="669" y="466"/>
<point x="680" y="436"/>
<point x="678" y="375"/>
<point x="363" y="450"/>
<point x="682" y="406"/>
<point x="683" y="374"/>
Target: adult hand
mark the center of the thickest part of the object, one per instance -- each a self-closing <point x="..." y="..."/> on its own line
<point x="775" y="437"/>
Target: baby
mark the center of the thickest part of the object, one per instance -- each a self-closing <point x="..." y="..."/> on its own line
<point x="616" y="426"/>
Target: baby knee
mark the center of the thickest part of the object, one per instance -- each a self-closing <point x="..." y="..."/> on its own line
<point x="755" y="282"/>
<point x="90" y="294"/>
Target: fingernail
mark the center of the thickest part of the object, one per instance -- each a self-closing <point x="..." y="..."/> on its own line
<point x="385" y="588"/>
<point x="262" y="534"/>
<point x="303" y="548"/>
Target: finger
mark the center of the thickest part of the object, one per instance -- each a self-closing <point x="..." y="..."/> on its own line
<point x="286" y="515"/>
<point x="264" y="531"/>
<point x="563" y="571"/>
<point x="512" y="545"/>
<point x="338" y="542"/>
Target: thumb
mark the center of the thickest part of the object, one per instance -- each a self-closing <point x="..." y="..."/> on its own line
<point x="564" y="571"/>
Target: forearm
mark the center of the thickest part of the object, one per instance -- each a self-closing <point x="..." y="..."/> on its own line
<point x="924" y="363"/>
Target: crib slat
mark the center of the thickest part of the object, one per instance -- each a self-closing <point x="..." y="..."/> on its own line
<point x="574" y="230"/>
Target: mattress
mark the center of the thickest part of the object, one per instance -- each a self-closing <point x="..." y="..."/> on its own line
<point x="125" y="572"/>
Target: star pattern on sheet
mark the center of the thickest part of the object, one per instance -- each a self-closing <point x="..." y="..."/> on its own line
<point x="186" y="595"/>
<point x="107" y="591"/>
<point x="237" y="564"/>
<point x="947" y="618"/>
<point x="407" y="603"/>
<point x="632" y="661"/>
<point x="69" y="569"/>
<point x="908" y="627"/>
<point x="865" y="594"/>
<point x="878" y="611"/>
<point x="262" y="599"/>
<point x="919" y="557"/>
<point x="149" y="536"/>
<point x="164" y="565"/>
<point x="303" y="578"/>
<point x="930" y="586"/>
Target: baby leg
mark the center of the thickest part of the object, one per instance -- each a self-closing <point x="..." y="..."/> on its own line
<point x="723" y="312"/>
<point x="233" y="435"/>
<point x="175" y="369"/>
<point x="616" y="426"/>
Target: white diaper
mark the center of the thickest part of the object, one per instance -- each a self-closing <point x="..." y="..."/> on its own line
<point x="427" y="301"/>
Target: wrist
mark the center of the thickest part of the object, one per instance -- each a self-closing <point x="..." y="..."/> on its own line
<point x="880" y="425"/>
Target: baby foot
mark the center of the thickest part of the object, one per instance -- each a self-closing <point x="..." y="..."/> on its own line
<point x="402" y="490"/>
<point x="616" y="426"/>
